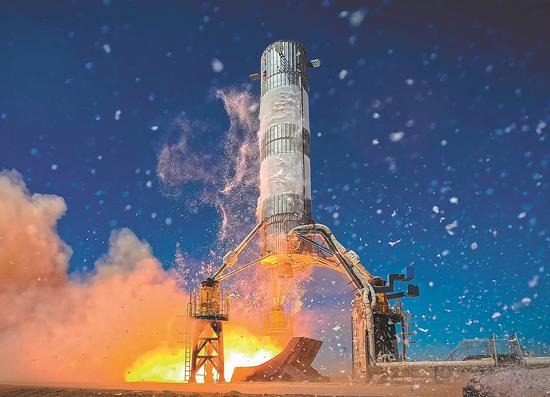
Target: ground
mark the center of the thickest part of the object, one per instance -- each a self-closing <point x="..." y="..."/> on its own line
<point x="247" y="389"/>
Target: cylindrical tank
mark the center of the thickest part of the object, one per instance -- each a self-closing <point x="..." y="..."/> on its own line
<point x="285" y="174"/>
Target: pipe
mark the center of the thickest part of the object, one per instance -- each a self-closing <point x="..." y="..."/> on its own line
<point x="342" y="254"/>
<point x="231" y="257"/>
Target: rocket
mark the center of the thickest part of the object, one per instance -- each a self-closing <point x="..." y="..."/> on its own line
<point x="290" y="240"/>
<point x="284" y="138"/>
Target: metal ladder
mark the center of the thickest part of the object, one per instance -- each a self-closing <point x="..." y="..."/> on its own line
<point x="184" y="337"/>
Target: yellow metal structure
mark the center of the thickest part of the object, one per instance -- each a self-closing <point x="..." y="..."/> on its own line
<point x="207" y="308"/>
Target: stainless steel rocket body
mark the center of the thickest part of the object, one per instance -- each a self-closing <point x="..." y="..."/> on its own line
<point x="284" y="136"/>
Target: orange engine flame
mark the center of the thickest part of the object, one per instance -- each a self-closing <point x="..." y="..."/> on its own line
<point x="162" y="364"/>
<point x="242" y="348"/>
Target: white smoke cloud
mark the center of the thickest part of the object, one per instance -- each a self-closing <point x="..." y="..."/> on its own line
<point x="88" y="328"/>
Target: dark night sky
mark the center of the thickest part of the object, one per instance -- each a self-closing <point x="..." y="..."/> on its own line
<point x="461" y="87"/>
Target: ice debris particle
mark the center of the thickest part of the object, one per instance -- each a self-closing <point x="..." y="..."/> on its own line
<point x="397" y="136"/>
<point x="450" y="227"/>
<point x="217" y="65"/>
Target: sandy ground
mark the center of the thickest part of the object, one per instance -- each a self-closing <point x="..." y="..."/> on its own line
<point x="244" y="389"/>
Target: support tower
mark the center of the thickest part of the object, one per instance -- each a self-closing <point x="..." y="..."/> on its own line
<point x="290" y="241"/>
<point x="206" y="311"/>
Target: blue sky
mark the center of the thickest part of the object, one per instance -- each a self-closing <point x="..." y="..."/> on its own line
<point x="429" y="129"/>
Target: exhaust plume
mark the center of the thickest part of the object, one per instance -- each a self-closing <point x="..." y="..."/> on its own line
<point x="87" y="328"/>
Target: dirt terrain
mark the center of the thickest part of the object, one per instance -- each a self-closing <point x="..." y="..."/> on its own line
<point x="239" y="389"/>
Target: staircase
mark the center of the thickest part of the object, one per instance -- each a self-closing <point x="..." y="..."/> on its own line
<point x="184" y="337"/>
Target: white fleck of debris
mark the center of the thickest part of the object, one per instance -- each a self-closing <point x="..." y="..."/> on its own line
<point x="394" y="213"/>
<point x="54" y="167"/>
<point x="534" y="281"/>
<point x="496" y="315"/>
<point x="393" y="243"/>
<point x="357" y="17"/>
<point x="397" y="136"/>
<point x="473" y="246"/>
<point x="149" y="184"/>
<point x="168" y="221"/>
<point x="217" y="65"/>
<point x="252" y="108"/>
<point x="450" y="227"/>
<point x="376" y="115"/>
<point x="154" y="128"/>
<point x="379" y="211"/>
<point x="107" y="48"/>
<point x="445" y="252"/>
<point x="343" y="73"/>
<point x="444" y="142"/>
<point x="526" y="301"/>
<point x="415" y="386"/>
<point x="453" y="200"/>
<point x="435" y="209"/>
<point x="409" y="81"/>
<point x="469" y="322"/>
<point x="153" y="215"/>
<point x="117" y="114"/>
<point x="540" y="126"/>
<point x="522" y="215"/>
<point x="431" y="283"/>
<point x="337" y="328"/>
<point x="343" y="14"/>
<point x="423" y="329"/>
<point x="335" y="215"/>
<point x="375" y="141"/>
